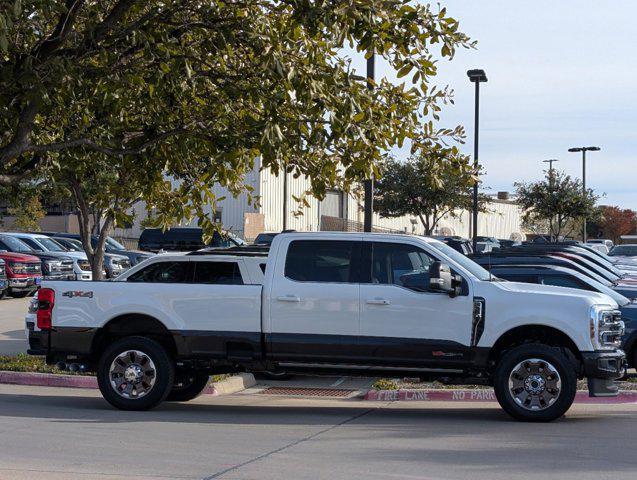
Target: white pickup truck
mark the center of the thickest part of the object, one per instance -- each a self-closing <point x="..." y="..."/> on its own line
<point x="366" y="304"/>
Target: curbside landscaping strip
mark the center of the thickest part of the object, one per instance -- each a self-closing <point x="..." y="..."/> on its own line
<point x="230" y="385"/>
<point x="481" y="395"/>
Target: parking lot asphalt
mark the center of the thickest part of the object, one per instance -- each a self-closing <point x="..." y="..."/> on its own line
<point x="73" y="434"/>
<point x="12" y="340"/>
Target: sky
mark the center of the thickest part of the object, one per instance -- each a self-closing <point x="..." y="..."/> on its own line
<point x="561" y="74"/>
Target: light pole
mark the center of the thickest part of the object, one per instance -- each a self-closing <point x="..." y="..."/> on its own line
<point x="584" y="150"/>
<point x="369" y="183"/>
<point x="476" y="76"/>
<point x="550" y="162"/>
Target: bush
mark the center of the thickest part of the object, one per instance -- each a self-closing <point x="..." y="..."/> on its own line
<point x="385" y="384"/>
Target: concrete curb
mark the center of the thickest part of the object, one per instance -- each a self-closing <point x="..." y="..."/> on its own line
<point x="234" y="384"/>
<point x="481" y="395"/>
<point x="230" y="385"/>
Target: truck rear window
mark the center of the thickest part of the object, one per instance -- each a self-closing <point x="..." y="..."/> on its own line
<point x="218" y="273"/>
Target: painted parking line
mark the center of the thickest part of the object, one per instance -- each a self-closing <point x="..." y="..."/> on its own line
<point x="478" y="395"/>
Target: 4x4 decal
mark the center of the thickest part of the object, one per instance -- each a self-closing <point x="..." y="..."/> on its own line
<point x="77" y="293"/>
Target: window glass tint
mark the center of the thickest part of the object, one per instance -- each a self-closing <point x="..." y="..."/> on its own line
<point x="219" y="273"/>
<point x="164" y="272"/>
<point x="516" y="277"/>
<point x="563" y="281"/>
<point x="399" y="264"/>
<point x="321" y="261"/>
<point x="34" y="245"/>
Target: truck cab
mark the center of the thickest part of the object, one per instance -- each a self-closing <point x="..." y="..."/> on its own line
<point x="368" y="304"/>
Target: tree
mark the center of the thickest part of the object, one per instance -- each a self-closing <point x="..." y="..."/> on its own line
<point x="435" y="182"/>
<point x="24" y="203"/>
<point x="614" y="222"/>
<point x="194" y="91"/>
<point x="557" y="203"/>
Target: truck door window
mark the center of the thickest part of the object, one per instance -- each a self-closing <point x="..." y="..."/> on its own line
<point x="164" y="272"/>
<point x="218" y="273"/>
<point x="399" y="264"/>
<point x="322" y="261"/>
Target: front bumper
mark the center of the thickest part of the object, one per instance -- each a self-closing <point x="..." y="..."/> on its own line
<point x="601" y="370"/>
<point x="59" y="276"/>
<point x="24" y="283"/>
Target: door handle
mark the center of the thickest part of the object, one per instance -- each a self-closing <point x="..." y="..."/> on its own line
<point x="377" y="301"/>
<point x="288" y="298"/>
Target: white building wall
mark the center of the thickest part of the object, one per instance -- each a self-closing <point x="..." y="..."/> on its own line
<point x="502" y="219"/>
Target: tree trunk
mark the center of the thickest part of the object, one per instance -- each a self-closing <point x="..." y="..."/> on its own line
<point x="97" y="263"/>
<point x="424" y="219"/>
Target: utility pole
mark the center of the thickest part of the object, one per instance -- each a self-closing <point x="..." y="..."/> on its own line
<point x="369" y="183"/>
<point x="551" y="181"/>
<point x="476" y="76"/>
<point x="584" y="150"/>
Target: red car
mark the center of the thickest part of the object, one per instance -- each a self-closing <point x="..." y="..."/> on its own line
<point x="24" y="273"/>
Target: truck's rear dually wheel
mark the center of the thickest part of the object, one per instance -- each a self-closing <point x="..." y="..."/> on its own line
<point x="135" y="373"/>
<point x="535" y="382"/>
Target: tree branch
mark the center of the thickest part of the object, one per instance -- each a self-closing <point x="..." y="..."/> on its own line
<point x="92" y="145"/>
<point x="61" y="31"/>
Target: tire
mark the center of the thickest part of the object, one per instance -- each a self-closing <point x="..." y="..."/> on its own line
<point x="277" y="375"/>
<point x="3" y="294"/>
<point x="188" y="385"/>
<point x="131" y="356"/>
<point x="20" y="294"/>
<point x="535" y="383"/>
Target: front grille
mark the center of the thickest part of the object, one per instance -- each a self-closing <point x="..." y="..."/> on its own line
<point x="33" y="268"/>
<point x="66" y="266"/>
<point x="84" y="265"/>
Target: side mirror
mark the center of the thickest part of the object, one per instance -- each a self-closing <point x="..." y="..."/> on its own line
<point x="442" y="280"/>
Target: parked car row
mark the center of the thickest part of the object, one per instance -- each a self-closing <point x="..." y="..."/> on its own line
<point x="29" y="258"/>
<point x="575" y="266"/>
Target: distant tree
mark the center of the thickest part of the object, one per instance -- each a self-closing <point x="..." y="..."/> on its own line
<point x="557" y="203"/>
<point x="24" y="203"/>
<point x="431" y="184"/>
<point x="614" y="222"/>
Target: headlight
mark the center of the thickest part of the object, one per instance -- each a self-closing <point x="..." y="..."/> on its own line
<point x="606" y="327"/>
<point x="18" y="267"/>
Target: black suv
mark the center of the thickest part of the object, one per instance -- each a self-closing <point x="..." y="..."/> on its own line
<point x="183" y="239"/>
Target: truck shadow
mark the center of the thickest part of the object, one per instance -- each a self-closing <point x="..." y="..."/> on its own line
<point x="95" y="410"/>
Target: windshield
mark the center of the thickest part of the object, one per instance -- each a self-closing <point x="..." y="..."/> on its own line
<point x="624" y="250"/>
<point x="589" y="265"/>
<point x="461" y="260"/>
<point x="598" y="257"/>
<point x="114" y="244"/>
<point x="50" y="245"/>
<point x="70" y="245"/>
<point x="620" y="299"/>
<point x="14" y="245"/>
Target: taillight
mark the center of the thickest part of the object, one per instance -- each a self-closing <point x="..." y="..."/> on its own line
<point x="46" y="301"/>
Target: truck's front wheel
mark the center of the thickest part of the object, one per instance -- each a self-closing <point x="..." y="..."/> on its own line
<point x="135" y="373"/>
<point x="535" y="383"/>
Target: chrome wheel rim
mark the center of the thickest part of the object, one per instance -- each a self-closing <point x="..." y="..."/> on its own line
<point x="535" y="384"/>
<point x="132" y="374"/>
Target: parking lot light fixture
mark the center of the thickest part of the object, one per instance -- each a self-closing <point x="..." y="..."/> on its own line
<point x="584" y="150"/>
<point x="476" y="76"/>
